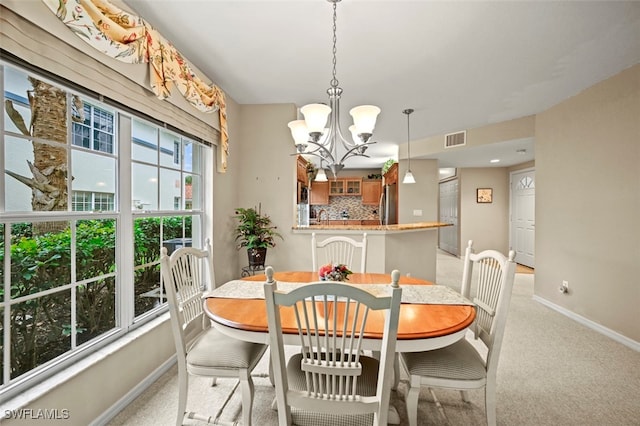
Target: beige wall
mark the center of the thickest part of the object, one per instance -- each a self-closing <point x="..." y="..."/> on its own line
<point x="588" y="203"/>
<point x="267" y="176"/>
<point x="487" y="224"/>
<point x="422" y="195"/>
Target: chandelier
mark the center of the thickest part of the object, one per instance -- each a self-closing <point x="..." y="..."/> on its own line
<point x="312" y="136"/>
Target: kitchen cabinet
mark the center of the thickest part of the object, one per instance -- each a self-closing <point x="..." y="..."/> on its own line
<point x="301" y="170"/>
<point x="371" y="190"/>
<point x="391" y="177"/>
<point x="319" y="194"/>
<point x="345" y="186"/>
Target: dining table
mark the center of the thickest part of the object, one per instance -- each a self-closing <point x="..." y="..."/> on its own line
<point x="431" y="316"/>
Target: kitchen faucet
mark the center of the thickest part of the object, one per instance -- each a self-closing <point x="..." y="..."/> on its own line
<point x="320" y="216"/>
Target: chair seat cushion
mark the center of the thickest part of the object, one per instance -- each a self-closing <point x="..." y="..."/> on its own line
<point x="459" y="361"/>
<point x="366" y="386"/>
<point x="214" y="349"/>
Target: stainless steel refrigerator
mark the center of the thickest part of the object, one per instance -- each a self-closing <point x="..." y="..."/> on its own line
<point x="388" y="205"/>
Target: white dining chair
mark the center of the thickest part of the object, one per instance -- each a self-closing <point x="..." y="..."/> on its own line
<point x="203" y="350"/>
<point x="339" y="249"/>
<point x="461" y="365"/>
<point x="330" y="382"/>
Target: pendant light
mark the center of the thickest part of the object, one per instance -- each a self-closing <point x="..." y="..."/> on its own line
<point x="321" y="176"/>
<point x="408" y="176"/>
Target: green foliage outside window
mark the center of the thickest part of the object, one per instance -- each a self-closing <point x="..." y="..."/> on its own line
<point x="41" y="327"/>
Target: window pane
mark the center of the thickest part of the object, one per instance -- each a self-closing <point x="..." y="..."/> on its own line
<point x="40" y="257"/>
<point x="93" y="173"/>
<point x="39" y="331"/>
<point x="95" y="248"/>
<point x="168" y="147"/>
<point x="193" y="192"/>
<point x="147" y="264"/>
<point x="192" y="155"/>
<point x="169" y="188"/>
<point x="81" y="201"/>
<point x="17" y="115"/>
<point x="96" y="309"/>
<point x="145" y="142"/>
<point x="17" y="154"/>
<point x="144" y="182"/>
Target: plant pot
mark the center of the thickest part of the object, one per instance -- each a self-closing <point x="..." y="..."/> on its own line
<point x="257" y="256"/>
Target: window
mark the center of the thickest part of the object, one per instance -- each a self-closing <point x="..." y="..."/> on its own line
<point x="176" y="152"/>
<point x="58" y="241"/>
<point x="92" y="127"/>
<point x="92" y="201"/>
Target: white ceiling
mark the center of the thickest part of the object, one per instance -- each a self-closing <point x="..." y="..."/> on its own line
<point x="460" y="65"/>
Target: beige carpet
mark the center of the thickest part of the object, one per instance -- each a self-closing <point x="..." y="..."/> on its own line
<point x="553" y="371"/>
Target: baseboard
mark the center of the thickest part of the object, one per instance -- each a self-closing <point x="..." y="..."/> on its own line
<point x="592" y="325"/>
<point x="127" y="399"/>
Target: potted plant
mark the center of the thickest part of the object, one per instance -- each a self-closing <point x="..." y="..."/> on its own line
<point x="255" y="232"/>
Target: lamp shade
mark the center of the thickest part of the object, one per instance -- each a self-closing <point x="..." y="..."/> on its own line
<point x="364" y="118"/>
<point x="321" y="176"/>
<point x="408" y="177"/>
<point x="299" y="131"/>
<point x="354" y="135"/>
<point x="315" y="116"/>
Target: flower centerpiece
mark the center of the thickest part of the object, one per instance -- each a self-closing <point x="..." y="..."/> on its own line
<point x="334" y="272"/>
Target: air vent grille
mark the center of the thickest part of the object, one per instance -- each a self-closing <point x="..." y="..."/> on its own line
<point x="455" y="139"/>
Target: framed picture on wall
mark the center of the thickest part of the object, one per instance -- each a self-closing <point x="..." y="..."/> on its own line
<point x="484" y="195"/>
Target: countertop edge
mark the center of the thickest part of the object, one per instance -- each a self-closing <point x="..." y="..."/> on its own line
<point x="402" y="227"/>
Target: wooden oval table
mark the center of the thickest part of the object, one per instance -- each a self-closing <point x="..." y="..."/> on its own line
<point x="421" y="326"/>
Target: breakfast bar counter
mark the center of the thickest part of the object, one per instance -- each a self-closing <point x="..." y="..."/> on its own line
<point x="409" y="247"/>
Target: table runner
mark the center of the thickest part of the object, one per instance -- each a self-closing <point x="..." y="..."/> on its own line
<point x="414" y="294"/>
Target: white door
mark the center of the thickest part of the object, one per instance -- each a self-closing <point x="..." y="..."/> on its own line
<point x="448" y="236"/>
<point x="523" y="203"/>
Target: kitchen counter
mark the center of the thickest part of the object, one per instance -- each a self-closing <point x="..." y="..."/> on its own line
<point x="408" y="247"/>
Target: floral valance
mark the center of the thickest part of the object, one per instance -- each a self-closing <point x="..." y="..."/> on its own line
<point x="129" y="38"/>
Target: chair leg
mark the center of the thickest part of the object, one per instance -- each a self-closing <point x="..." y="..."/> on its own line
<point x="183" y="382"/>
<point x="247" y="388"/>
<point x="411" y="400"/>
<point x="490" y="403"/>
<point x="214" y="381"/>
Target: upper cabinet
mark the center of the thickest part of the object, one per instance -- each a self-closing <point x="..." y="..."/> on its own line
<point x="391" y="177"/>
<point x="345" y="186"/>
<point x="302" y="170"/>
<point x="319" y="194"/>
<point x="371" y="190"/>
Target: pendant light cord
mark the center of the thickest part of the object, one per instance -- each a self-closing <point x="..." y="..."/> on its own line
<point x="408" y="112"/>
<point x="334" y="79"/>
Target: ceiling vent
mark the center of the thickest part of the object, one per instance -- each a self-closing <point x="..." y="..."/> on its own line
<point x="455" y="139"/>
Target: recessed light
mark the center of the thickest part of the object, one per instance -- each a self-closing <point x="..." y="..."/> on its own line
<point x="521" y="151"/>
<point x="495" y="160"/>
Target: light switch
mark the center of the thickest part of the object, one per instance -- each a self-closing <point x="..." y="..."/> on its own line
<point x="417" y="212"/>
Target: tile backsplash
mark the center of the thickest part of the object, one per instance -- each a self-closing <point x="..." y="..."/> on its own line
<point x="352" y="205"/>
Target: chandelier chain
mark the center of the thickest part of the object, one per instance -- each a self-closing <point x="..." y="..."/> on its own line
<point x="334" y="79"/>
